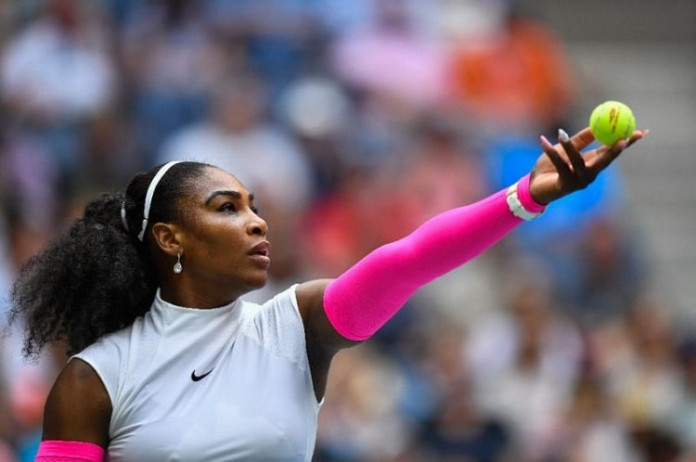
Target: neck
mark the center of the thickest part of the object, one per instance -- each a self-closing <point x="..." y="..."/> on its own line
<point x="183" y="293"/>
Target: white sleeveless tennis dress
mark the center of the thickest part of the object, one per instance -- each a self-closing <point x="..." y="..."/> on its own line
<point x="225" y="384"/>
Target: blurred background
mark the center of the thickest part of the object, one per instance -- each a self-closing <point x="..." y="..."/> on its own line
<point x="572" y="340"/>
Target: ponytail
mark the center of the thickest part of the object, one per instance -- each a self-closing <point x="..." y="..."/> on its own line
<point x="92" y="280"/>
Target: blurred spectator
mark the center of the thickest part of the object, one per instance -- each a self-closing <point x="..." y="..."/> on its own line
<point x="238" y="137"/>
<point x="392" y="58"/>
<point x="57" y="72"/>
<point x="172" y="63"/>
<point x="507" y="70"/>
<point x="394" y="70"/>
<point x="459" y="21"/>
<point x="682" y="422"/>
<point x="589" y="429"/>
<point x="438" y="400"/>
<point x="318" y="112"/>
<point x="277" y="36"/>
<point x="332" y="238"/>
<point x="58" y="66"/>
<point x="338" y="16"/>
<point x="119" y="10"/>
<point x="7" y="11"/>
<point x="525" y="360"/>
<point x="657" y="445"/>
<point x="443" y="170"/>
<point x="6" y="454"/>
<point x="358" y="421"/>
<point x="458" y="432"/>
<point x="642" y="372"/>
<point x="111" y="154"/>
<point x="612" y="272"/>
<point x="31" y="182"/>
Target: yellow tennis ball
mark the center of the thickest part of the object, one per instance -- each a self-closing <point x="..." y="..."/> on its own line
<point x="612" y="121"/>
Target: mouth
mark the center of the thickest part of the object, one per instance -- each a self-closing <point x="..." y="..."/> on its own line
<point x="260" y="253"/>
<point x="263" y="249"/>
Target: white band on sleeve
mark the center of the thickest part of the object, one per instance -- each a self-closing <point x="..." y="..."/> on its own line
<point x="516" y="206"/>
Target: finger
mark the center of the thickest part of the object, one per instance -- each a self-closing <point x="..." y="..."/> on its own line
<point x="637" y="135"/>
<point x="583" y="138"/>
<point x="606" y="156"/>
<point x="573" y="154"/>
<point x="561" y="166"/>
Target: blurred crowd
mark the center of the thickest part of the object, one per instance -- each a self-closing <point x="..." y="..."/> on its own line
<point x="354" y="121"/>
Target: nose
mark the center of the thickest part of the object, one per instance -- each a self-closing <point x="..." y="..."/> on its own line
<point x="257" y="226"/>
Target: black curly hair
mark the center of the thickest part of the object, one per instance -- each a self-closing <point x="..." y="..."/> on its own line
<point x="98" y="277"/>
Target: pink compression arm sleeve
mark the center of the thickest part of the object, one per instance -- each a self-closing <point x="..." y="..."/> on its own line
<point x="365" y="297"/>
<point x="69" y="451"/>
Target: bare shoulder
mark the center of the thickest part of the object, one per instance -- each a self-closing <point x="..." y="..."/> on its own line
<point x="78" y="407"/>
<point x="310" y="296"/>
<point x="320" y="333"/>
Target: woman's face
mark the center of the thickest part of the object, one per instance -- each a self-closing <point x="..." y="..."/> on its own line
<point x="224" y="247"/>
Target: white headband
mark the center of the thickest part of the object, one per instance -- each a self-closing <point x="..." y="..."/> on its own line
<point x="150" y="193"/>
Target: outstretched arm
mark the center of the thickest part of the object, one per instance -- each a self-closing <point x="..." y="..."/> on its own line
<point x="355" y="305"/>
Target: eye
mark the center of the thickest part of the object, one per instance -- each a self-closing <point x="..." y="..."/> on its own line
<point x="227" y="207"/>
<point x="255" y="210"/>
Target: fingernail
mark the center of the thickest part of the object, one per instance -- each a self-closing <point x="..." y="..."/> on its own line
<point x="544" y="139"/>
<point x="645" y="132"/>
<point x="563" y="136"/>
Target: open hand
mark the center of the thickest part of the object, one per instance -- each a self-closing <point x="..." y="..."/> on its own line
<point x="562" y="168"/>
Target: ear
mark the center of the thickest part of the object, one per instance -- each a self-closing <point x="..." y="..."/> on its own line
<point x="167" y="237"/>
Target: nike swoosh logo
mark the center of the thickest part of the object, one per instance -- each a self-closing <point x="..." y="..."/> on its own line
<point x="196" y="378"/>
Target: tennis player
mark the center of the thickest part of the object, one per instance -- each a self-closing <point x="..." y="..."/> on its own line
<point x="169" y="364"/>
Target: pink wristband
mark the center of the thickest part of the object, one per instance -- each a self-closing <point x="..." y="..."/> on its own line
<point x="525" y="196"/>
<point x="69" y="451"/>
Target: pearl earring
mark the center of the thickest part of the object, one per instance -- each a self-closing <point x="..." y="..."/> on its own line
<point x="177" y="266"/>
